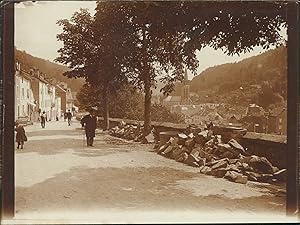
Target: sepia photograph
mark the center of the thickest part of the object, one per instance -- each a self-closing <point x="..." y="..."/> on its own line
<point x="149" y="112"/>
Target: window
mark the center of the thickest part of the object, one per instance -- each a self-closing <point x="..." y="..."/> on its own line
<point x="22" y="92"/>
<point x="23" y="110"/>
<point x="27" y="93"/>
<point x="18" y="110"/>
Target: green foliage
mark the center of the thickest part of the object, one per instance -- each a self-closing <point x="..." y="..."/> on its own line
<point x="145" y="41"/>
<point x="223" y="83"/>
<point x="127" y="103"/>
<point x="160" y="113"/>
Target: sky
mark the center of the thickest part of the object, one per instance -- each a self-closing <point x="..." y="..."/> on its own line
<point x="36" y="30"/>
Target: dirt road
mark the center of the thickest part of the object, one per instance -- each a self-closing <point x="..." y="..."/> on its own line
<point x="59" y="179"/>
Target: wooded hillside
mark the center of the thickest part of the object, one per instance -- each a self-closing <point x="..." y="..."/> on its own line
<point x="52" y="70"/>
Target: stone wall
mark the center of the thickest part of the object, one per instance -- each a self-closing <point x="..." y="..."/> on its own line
<point x="273" y="147"/>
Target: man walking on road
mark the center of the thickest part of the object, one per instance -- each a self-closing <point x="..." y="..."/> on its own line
<point x="69" y="116"/>
<point x="89" y="122"/>
<point x="43" y="119"/>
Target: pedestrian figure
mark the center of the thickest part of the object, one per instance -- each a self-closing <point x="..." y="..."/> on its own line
<point x="43" y="119"/>
<point x="69" y="116"/>
<point x="89" y="122"/>
<point x="20" y="136"/>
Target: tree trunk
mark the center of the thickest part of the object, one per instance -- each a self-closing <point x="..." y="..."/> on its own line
<point x="106" y="109"/>
<point x="147" y="112"/>
<point x="147" y="84"/>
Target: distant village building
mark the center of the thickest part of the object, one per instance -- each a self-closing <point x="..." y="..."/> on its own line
<point x="62" y="94"/>
<point x="185" y="92"/>
<point x="255" y="110"/>
<point x="44" y="93"/>
<point x="157" y="99"/>
<point x="69" y="100"/>
<point x="58" y="106"/>
<point x="35" y="94"/>
<point x="25" y="105"/>
<point x="170" y="101"/>
<point x="277" y="121"/>
<point x="183" y="99"/>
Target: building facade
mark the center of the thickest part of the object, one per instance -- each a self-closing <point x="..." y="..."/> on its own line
<point x="25" y="104"/>
<point x="35" y="94"/>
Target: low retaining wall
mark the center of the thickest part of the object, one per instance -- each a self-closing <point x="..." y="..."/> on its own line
<point x="273" y="147"/>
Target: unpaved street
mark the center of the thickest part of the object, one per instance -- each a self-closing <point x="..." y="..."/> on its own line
<point x="58" y="177"/>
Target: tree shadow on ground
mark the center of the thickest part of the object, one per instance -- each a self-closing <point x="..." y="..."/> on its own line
<point x="54" y="132"/>
<point x="78" y="147"/>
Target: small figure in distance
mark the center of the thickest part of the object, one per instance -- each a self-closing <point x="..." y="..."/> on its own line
<point x="89" y="122"/>
<point x="43" y="119"/>
<point x="69" y="116"/>
<point x="21" y="135"/>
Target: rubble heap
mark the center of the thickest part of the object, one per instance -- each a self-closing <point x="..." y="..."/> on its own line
<point x="208" y="150"/>
<point x="132" y="132"/>
<point x="214" y="157"/>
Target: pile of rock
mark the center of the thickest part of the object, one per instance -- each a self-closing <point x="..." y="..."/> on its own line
<point x="132" y="132"/>
<point x="229" y="160"/>
<point x="127" y="131"/>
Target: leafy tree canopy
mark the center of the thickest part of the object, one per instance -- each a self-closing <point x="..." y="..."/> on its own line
<point x="151" y="40"/>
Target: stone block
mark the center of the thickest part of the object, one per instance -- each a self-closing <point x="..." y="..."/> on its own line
<point x="260" y="165"/>
<point x="178" y="150"/>
<point x="190" y="144"/>
<point x="253" y="176"/>
<point x="235" y="145"/>
<point x="281" y="175"/>
<point x="167" y="151"/>
<point x="232" y="167"/>
<point x="218" y="172"/>
<point x="241" y="179"/>
<point x="228" y="155"/>
<point x="192" y="161"/>
<point x="163" y="147"/>
<point x="182" y="157"/>
<point x="196" y="152"/>
<point x="205" y="170"/>
<point x="220" y="164"/>
<point x="232" y="161"/>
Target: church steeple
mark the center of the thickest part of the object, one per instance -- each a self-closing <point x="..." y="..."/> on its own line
<point x="185" y="93"/>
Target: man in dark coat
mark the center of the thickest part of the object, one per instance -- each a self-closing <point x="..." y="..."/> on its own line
<point x="43" y="119"/>
<point x="89" y="122"/>
<point x="20" y="136"/>
<point x="69" y="116"/>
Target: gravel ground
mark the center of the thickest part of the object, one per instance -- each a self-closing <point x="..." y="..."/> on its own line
<point x="59" y="180"/>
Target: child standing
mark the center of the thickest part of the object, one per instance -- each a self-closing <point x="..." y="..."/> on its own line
<point x="20" y="136"/>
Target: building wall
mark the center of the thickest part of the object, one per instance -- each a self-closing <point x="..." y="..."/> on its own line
<point x="17" y="96"/>
<point x="24" y="99"/>
<point x="58" y="107"/>
<point x="282" y="123"/>
<point x="63" y="97"/>
<point x="69" y="100"/>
